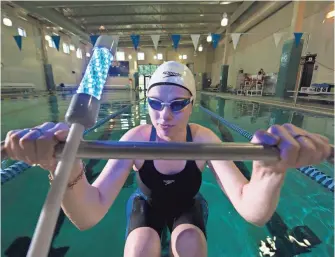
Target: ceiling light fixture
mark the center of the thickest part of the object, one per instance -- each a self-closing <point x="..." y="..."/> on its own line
<point x="224" y="21"/>
<point x="330" y="14"/>
<point x="209" y="38"/>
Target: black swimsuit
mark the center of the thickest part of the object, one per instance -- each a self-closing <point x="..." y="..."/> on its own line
<point x="167" y="200"/>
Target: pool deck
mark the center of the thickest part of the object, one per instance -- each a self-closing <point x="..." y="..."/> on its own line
<point x="309" y="107"/>
<point x="305" y="107"/>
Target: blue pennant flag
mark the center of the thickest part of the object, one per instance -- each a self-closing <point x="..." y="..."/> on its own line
<point x="94" y="39"/>
<point x="56" y="40"/>
<point x="136" y="40"/>
<point x="298" y="36"/>
<point x="175" y="40"/>
<point x="18" y="40"/>
<point x="215" y="40"/>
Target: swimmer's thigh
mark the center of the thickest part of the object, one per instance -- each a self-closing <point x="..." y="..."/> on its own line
<point x="143" y="229"/>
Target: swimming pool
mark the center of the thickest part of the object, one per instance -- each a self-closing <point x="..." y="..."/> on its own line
<point x="305" y="210"/>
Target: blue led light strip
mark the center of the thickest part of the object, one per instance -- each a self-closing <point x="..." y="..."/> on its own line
<point x="96" y="73"/>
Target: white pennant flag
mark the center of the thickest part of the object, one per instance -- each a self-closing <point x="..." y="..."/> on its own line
<point x="195" y="40"/>
<point x="38" y="42"/>
<point x="155" y="39"/>
<point x="235" y="37"/>
<point x="75" y="40"/>
<point x="277" y="37"/>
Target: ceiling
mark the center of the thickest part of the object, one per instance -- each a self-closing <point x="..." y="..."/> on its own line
<point x="84" y="18"/>
<point x="145" y="18"/>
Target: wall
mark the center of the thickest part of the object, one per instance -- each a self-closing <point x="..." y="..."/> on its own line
<point x="63" y="64"/>
<point x="257" y="49"/>
<point x="169" y="54"/>
<point x="26" y="66"/>
<point x="216" y="65"/>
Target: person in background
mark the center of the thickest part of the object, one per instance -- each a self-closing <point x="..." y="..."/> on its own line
<point x="260" y="75"/>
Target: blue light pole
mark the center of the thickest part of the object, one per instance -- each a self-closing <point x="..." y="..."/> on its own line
<point x="81" y="114"/>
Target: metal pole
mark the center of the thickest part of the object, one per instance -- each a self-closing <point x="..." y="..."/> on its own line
<point x="82" y="112"/>
<point x="297" y="83"/>
<point x="173" y="151"/>
<point x="40" y="243"/>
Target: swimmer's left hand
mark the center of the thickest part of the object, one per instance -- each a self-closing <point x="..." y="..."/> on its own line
<point x="297" y="147"/>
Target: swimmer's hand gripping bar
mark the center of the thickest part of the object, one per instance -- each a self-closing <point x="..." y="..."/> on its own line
<point x="173" y="151"/>
<point x="82" y="113"/>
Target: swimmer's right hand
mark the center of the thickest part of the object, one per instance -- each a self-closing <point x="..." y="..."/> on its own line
<point x="36" y="145"/>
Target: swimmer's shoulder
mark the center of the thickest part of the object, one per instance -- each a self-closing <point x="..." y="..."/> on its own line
<point x="139" y="133"/>
<point x="201" y="134"/>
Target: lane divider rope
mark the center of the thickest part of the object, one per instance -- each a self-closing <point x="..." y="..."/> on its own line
<point x="19" y="167"/>
<point x="310" y="171"/>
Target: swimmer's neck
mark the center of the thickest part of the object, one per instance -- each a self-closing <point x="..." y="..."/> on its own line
<point x="180" y="137"/>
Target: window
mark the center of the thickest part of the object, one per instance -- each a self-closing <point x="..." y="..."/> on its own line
<point x="66" y="48"/>
<point x="7" y="22"/>
<point x="184" y="57"/>
<point x="160" y="56"/>
<point x="51" y="43"/>
<point x="88" y="55"/>
<point x="72" y="48"/>
<point x="140" y="56"/>
<point x="79" y="54"/>
<point x="22" y="32"/>
<point x="120" y="56"/>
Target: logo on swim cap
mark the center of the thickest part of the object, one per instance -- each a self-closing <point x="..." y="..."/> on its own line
<point x="171" y="74"/>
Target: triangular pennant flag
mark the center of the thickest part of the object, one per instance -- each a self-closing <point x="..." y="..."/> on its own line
<point x="136" y="40"/>
<point x="235" y="37"/>
<point x="38" y="42"/>
<point x="195" y="40"/>
<point x="277" y="38"/>
<point x="175" y="40"/>
<point x="155" y="39"/>
<point x="18" y="40"/>
<point x="56" y="40"/>
<point x="75" y="41"/>
<point x="215" y="40"/>
<point x="297" y="36"/>
<point x="94" y="39"/>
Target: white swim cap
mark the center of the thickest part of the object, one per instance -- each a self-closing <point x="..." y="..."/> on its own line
<point x="174" y="74"/>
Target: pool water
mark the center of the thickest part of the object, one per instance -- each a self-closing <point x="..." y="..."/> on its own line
<point x="303" y="224"/>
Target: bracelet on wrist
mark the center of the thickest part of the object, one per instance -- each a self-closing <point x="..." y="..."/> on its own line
<point x="75" y="181"/>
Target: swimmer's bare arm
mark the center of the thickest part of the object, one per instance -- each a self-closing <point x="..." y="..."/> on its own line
<point x="255" y="201"/>
<point x="85" y="205"/>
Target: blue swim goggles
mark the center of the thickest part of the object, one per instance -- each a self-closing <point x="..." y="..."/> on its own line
<point x="175" y="106"/>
